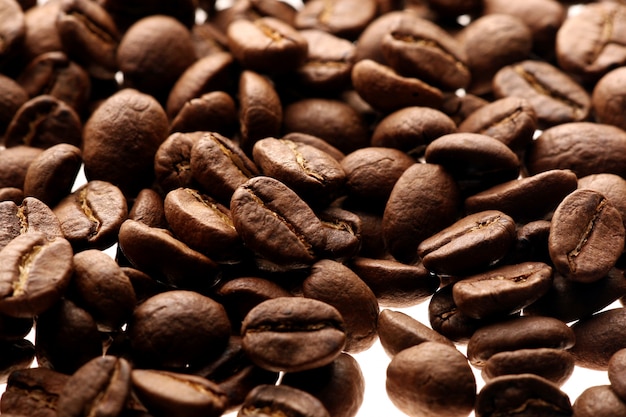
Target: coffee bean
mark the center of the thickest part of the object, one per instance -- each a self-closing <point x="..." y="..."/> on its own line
<point x="148" y="209"/>
<point x="606" y="98"/>
<point x="598" y="337"/>
<point x="13" y="97"/>
<point x="599" y="401"/>
<point x="211" y="112"/>
<point x="615" y="370"/>
<point x="33" y="391"/>
<point x="343" y="233"/>
<point x="281" y="399"/>
<point x="399" y="331"/>
<point x="612" y="186"/>
<point x="16" y="355"/>
<point x="13" y="28"/>
<point x="31" y="215"/>
<point x="260" y="109"/>
<point x="343" y="18"/>
<point x="293" y="334"/>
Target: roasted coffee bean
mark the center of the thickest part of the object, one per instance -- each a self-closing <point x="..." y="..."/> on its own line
<point x="211" y="112"/>
<point x="598" y="337"/>
<point x="336" y="284"/>
<point x="340" y="386"/>
<point x="447" y="384"/>
<point x="281" y="400"/>
<point x="423" y="201"/>
<point x="395" y="284"/>
<point x="606" y="97"/>
<point x="34" y="273"/>
<point x="343" y="18"/>
<point x="172" y="161"/>
<point x="42" y="122"/>
<point x="459" y="107"/>
<point x="555" y="365"/>
<point x="554" y="95"/>
<point x="92" y="215"/>
<point x="253" y="9"/>
<point x="178" y="328"/>
<point x="316" y="142"/>
<point x="260" y="109"/>
<point x="511" y="120"/>
<point x="519" y="333"/>
<point x="292" y="236"/>
<point x="15" y="355"/>
<point x="584" y="148"/>
<point x="616" y="367"/>
<point x="13" y="97"/>
<point x="13" y="194"/>
<point x="158" y="253"/>
<point x="12" y="30"/>
<point x="219" y="165"/>
<point x="502" y="291"/>
<point x="31" y="215"/>
<point x="266" y="45"/>
<point x="165" y="393"/>
<point x="411" y="129"/>
<point x="51" y="175"/>
<point x="399" y="331"/>
<point x="522" y="395"/>
<point x="599" y="401"/>
<point x="612" y="186"/>
<point x="14" y="163"/>
<point x="343" y="233"/>
<point x="33" y="392"/>
<point x="314" y="175"/>
<point x="471" y="243"/>
<point x="586" y="236"/>
<point x="148" y="209"/>
<point x="41" y="32"/>
<point x="100" y="386"/>
<point x="527" y="198"/>
<point x="293" y="334"/>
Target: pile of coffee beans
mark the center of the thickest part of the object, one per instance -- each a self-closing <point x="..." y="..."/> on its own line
<point x="277" y="181"/>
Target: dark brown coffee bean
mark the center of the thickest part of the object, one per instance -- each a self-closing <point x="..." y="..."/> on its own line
<point x="253" y="9"/>
<point x="92" y="215"/>
<point x="144" y="285"/>
<point x="202" y="223"/>
<point x="13" y="97"/>
<point x="42" y="122"/>
<point x="159" y="254"/>
<point x="471" y="243"/>
<point x="336" y="284"/>
<point x="459" y="107"/>
<point x="34" y="273"/>
<point x="314" y="175"/>
<point x="502" y="291"/>
<point x="109" y="155"/>
<point x="208" y="74"/>
<point x="554" y="95"/>
<point x="511" y="120"/>
<point x="245" y="380"/>
<point x="555" y="365"/>
<point x="527" y="198"/>
<point x="411" y="129"/>
<point x="586" y="236"/>
<point x="41" y="32"/>
<point x="100" y="386"/>
<point x="51" y="175"/>
<point x="616" y="373"/>
<point x="584" y="148"/>
<point x="316" y="142"/>
<point x="260" y="109"/>
<point x="281" y="399"/>
<point x="12" y="30"/>
<point x="447" y="384"/>
<point x="340" y="386"/>
<point x="599" y="401"/>
<point x="423" y="201"/>
<point x="148" y="208"/>
<point x="395" y="284"/>
<point x="332" y="120"/>
<point x="399" y="331"/>
<point x="219" y="165"/>
<point x="266" y="45"/>
<point x="343" y="233"/>
<point x="89" y="36"/>
<point x="32" y="215"/>
<point x="15" y="355"/>
<point x="166" y="393"/>
<point x="522" y="395"/>
<point x="518" y="333"/>
<point x="606" y="97"/>
<point x="14" y="163"/>
<point x="33" y="392"/>
<point x="178" y="328"/>
<point x="13" y="194"/>
<point x="387" y="91"/>
<point x="211" y="112"/>
<point x="172" y="161"/>
<point x="293" y="334"/>
<point x="292" y="236"/>
<point x="612" y="186"/>
<point x="598" y="337"/>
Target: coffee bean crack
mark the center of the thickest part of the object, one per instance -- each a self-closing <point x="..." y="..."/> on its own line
<point x="573" y="254"/>
<point x="20" y="285"/>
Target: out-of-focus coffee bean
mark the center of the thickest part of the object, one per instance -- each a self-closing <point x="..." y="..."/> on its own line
<point x="555" y="365"/>
<point x="599" y="401"/>
<point x="281" y="399"/>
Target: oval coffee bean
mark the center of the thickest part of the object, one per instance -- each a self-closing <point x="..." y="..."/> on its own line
<point x="612" y="186"/>
<point x="447" y="386"/>
<point x="502" y="291"/>
<point x="34" y="274"/>
<point x="475" y="241"/>
<point x="281" y="400"/>
<point x="293" y="334"/>
<point x="343" y="18"/>
<point x="598" y="338"/>
<point x="617" y="373"/>
<point x="599" y="401"/>
<point x="172" y="161"/>
<point x="586" y="236"/>
<point x="31" y="215"/>
<point x="260" y="109"/>
<point x="33" y="390"/>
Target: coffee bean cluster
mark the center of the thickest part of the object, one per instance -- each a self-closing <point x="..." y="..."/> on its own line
<point x="276" y="180"/>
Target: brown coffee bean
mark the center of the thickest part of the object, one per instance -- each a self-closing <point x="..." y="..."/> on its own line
<point x="260" y="109"/>
<point x="447" y="384"/>
<point x="424" y="200"/>
<point x="586" y="236"/>
<point x="599" y="401"/>
<point x="12" y="98"/>
<point x="51" y="175"/>
<point x="502" y="291"/>
<point x="109" y="155"/>
<point x="33" y="391"/>
<point x="535" y="396"/>
<point x="92" y="215"/>
<point x="316" y="142"/>
<point x="607" y="97"/>
<point x="343" y="233"/>
<point x="567" y="147"/>
<point x="185" y="395"/>
<point x="32" y="215"/>
<point x="172" y="161"/>
<point x="612" y="186"/>
<point x="293" y="334"/>
<point x="554" y="95"/>
<point x="281" y="399"/>
<point x="519" y="333"/>
<point x="178" y="328"/>
<point x="14" y="163"/>
<point x="148" y="209"/>
<point x="445" y="317"/>
<point x="343" y="18"/>
<point x="459" y="107"/>
<point x="16" y="355"/>
<point x="399" y="331"/>
<point x="253" y="9"/>
<point x="555" y="365"/>
<point x="13" y="194"/>
<point x="211" y="112"/>
<point x="471" y="243"/>
<point x="615" y="370"/>
<point x="41" y="32"/>
<point x="100" y="386"/>
<point x="598" y="337"/>
<point x="12" y="30"/>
